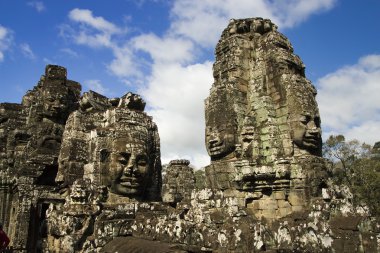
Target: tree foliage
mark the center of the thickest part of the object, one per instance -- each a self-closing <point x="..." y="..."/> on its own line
<point x="354" y="165"/>
<point x="365" y="183"/>
<point x="342" y="154"/>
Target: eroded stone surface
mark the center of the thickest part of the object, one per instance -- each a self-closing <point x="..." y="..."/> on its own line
<point x="262" y="122"/>
<point x="109" y="162"/>
<point x="84" y="174"/>
<point x="31" y="134"/>
<point x="178" y="182"/>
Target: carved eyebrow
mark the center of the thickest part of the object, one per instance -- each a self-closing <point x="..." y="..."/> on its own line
<point x="125" y="155"/>
<point x="142" y="157"/>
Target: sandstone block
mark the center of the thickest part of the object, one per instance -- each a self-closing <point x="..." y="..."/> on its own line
<point x="296" y="198"/>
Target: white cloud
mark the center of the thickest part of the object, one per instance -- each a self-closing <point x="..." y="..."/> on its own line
<point x="94" y="40"/>
<point x="5" y="41"/>
<point x="177" y="83"/>
<point x="38" y="5"/>
<point x="165" y="50"/>
<point x="203" y="21"/>
<point x="349" y="100"/>
<point x="91" y="31"/>
<point x="124" y="64"/>
<point x="49" y="61"/>
<point x="97" y="32"/>
<point x="292" y="12"/>
<point x="27" y="51"/>
<point x="175" y="96"/>
<point x="96" y="85"/>
<point x="69" y="52"/>
<point x="99" y="23"/>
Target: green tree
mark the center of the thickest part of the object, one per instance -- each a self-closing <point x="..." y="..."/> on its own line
<point x="353" y="165"/>
<point x="365" y="183"/>
<point x="342" y="154"/>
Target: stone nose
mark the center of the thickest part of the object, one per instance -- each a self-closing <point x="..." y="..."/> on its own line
<point x="312" y="126"/>
<point x="60" y="178"/>
<point x="130" y="167"/>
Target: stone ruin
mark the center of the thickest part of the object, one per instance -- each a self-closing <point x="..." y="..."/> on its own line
<point x="262" y="122"/>
<point x="83" y="174"/>
<point x="179" y="182"/>
<point x="31" y="136"/>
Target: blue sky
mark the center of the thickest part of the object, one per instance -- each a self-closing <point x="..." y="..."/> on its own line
<point x="163" y="50"/>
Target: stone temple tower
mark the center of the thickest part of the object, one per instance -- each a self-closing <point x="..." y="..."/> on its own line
<point x="262" y="121"/>
<point x="83" y="173"/>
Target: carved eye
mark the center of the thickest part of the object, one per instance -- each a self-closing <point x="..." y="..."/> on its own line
<point x="142" y="162"/>
<point x="124" y="158"/>
<point x="304" y="119"/>
<point x="317" y="121"/>
<point x="123" y="161"/>
<point x="142" y="165"/>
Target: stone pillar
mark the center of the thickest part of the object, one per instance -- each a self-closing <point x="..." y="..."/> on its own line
<point x="178" y="181"/>
<point x="5" y="199"/>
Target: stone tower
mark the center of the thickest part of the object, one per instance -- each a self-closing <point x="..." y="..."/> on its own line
<point x="83" y="174"/>
<point x="262" y="121"/>
<point x="31" y="139"/>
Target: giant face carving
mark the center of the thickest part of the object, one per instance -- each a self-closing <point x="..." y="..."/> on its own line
<point x="303" y="118"/>
<point x="221" y="125"/>
<point x="53" y="103"/>
<point x="220" y="140"/>
<point x="306" y="131"/>
<point x="129" y="167"/>
<point x="305" y="123"/>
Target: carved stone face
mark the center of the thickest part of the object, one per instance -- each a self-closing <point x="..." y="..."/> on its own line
<point x="306" y="131"/>
<point x="79" y="193"/>
<point x="53" y="103"/>
<point x="220" y="140"/>
<point x="221" y="125"/>
<point x="130" y="168"/>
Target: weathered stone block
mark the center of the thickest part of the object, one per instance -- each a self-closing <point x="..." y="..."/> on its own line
<point x="269" y="213"/>
<point x="279" y="195"/>
<point x="284" y="211"/>
<point x="298" y="208"/>
<point x="283" y="204"/>
<point x="297" y="198"/>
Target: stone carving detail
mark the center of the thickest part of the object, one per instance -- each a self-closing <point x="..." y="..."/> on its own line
<point x="83" y="174"/>
<point x="116" y="146"/>
<point x="262" y="121"/>
<point x="31" y="134"/>
<point x="178" y="182"/>
<point x="112" y="146"/>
